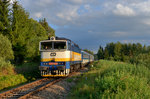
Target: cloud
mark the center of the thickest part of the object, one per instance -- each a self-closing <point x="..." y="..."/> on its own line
<point x="123" y="10"/>
<point x="38" y="15"/>
<point x="91" y="23"/>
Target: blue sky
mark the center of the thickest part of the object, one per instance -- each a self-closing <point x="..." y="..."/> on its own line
<point x="91" y="23"/>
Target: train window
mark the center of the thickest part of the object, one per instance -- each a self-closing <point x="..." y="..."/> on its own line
<point x="59" y="45"/>
<point x="46" y="45"/>
<point x="69" y="46"/>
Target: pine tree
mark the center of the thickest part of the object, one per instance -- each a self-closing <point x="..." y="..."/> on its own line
<point x="106" y="54"/>
<point x="19" y="24"/>
<point x="26" y="34"/>
<point x="100" y="53"/>
<point x="4" y="17"/>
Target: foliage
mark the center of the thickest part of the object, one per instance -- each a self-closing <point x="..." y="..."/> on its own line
<point x="6" y="51"/>
<point x="50" y="31"/>
<point x="4" y="17"/>
<point x="26" y="34"/>
<point x="6" y="67"/>
<point x="131" y="53"/>
<point x="11" y="80"/>
<point x="88" y="51"/>
<point x="37" y="33"/>
<point x="10" y="76"/>
<point x="143" y="59"/>
<point x="100" y="53"/>
<point x="19" y="39"/>
<point x="109" y="79"/>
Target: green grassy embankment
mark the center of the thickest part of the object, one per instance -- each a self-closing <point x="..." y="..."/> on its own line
<point x="109" y="79"/>
<point x="11" y="76"/>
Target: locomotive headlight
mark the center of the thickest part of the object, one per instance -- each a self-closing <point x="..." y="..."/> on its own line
<point x="62" y="63"/>
<point x="45" y="63"/>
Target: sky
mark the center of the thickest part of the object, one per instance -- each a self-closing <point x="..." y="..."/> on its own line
<point x="91" y="23"/>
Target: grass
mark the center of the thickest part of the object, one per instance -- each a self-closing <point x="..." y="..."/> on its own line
<point x="11" y="76"/>
<point x="109" y="79"/>
<point x="9" y="81"/>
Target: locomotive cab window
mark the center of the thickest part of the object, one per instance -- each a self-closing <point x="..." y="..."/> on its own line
<point x="46" y="45"/>
<point x="59" y="45"/>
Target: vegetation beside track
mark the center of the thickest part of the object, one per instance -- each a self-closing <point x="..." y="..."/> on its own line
<point x="19" y="38"/>
<point x="109" y="79"/>
<point x="11" y="76"/>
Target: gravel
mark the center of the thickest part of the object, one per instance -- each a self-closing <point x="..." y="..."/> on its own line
<point x="59" y="90"/>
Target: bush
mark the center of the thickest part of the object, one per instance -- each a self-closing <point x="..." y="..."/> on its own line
<point x="6" y="68"/>
<point x="5" y="48"/>
<point x="113" y="80"/>
<point x="11" y="80"/>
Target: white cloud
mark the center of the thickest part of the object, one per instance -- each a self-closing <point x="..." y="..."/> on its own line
<point x="123" y="10"/>
<point x="38" y="15"/>
<point x="142" y="7"/>
<point x="68" y="13"/>
<point x="90" y="23"/>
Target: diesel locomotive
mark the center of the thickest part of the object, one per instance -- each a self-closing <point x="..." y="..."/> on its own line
<point x="60" y="56"/>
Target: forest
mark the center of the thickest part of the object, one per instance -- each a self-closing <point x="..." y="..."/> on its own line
<point x="137" y="54"/>
<point x="20" y="34"/>
<point x="19" y="41"/>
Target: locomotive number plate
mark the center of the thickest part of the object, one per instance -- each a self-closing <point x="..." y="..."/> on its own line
<point x="53" y="54"/>
<point x="53" y="63"/>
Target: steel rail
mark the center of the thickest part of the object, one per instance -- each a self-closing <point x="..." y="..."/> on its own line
<point x="9" y="93"/>
<point x="27" y="90"/>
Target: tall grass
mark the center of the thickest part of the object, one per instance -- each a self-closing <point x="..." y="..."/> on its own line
<point x="8" y="76"/>
<point x="6" y="67"/>
<point x="11" y="76"/>
<point x="109" y="79"/>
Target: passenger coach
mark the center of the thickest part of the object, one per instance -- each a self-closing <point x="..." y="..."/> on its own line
<point x="60" y="56"/>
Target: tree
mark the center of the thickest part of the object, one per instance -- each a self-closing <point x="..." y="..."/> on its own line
<point x="35" y="35"/>
<point x="110" y="47"/>
<point x="100" y="53"/>
<point x="50" y="31"/>
<point x="88" y="51"/>
<point x="26" y="34"/>
<point x="6" y="51"/>
<point x="19" y="31"/>
<point x="4" y="17"/>
<point x="144" y="49"/>
<point x="106" y="54"/>
<point x="117" y="51"/>
<point x="20" y="24"/>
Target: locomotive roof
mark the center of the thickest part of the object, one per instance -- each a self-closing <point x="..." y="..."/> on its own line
<point x="62" y="38"/>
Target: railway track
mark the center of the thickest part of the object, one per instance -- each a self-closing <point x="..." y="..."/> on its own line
<point x="28" y="90"/>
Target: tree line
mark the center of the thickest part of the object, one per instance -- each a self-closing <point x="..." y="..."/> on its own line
<point x="20" y="34"/>
<point x="132" y="53"/>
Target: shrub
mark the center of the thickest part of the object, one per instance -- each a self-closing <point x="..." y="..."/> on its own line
<point x="113" y="80"/>
<point x="5" y="48"/>
<point x="6" y="68"/>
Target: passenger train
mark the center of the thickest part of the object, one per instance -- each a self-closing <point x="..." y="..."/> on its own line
<point x="60" y="56"/>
